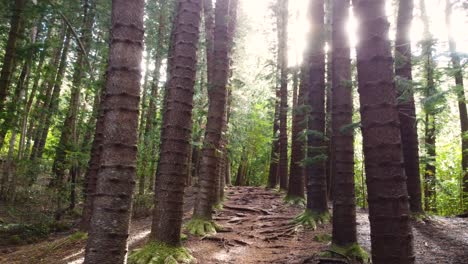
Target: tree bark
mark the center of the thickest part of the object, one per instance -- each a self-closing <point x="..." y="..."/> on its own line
<point x="296" y="171"/>
<point x="316" y="154"/>
<point x="344" y="205"/>
<point x="107" y="242"/>
<point x="391" y="234"/>
<point x="9" y="60"/>
<point x="217" y="94"/>
<point x="275" y="145"/>
<point x="283" y="110"/>
<point x="177" y="124"/>
<point x="406" y="105"/>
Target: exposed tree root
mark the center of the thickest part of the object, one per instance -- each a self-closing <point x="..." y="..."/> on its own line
<point x="201" y="227"/>
<point x="311" y="219"/>
<point x="295" y="200"/>
<point x="353" y="253"/>
<point x="160" y="253"/>
<point x="240" y="208"/>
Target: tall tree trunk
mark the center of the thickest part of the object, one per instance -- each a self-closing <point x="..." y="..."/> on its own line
<point x="275" y="145"/>
<point x="391" y="235"/>
<point x="283" y="111"/>
<point x="93" y="166"/>
<point x="344" y="205"/>
<point x="460" y="88"/>
<point x="9" y="59"/>
<point x="430" y="113"/>
<point x="177" y="124"/>
<point x="406" y="106"/>
<point x="296" y="171"/>
<point x="217" y="94"/>
<point x="330" y="163"/>
<point x="107" y="242"/>
<point x="316" y="154"/>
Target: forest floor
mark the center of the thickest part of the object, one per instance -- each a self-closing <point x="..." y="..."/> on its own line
<point x="258" y="229"/>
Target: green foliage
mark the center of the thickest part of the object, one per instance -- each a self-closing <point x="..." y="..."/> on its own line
<point x="353" y="252"/>
<point x="160" y="253"/>
<point x="323" y="238"/>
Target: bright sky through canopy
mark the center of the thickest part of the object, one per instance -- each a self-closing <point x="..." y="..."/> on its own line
<point x="260" y="12"/>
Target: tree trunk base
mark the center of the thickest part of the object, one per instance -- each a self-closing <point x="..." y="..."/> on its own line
<point x="201" y="227"/>
<point x="353" y="253"/>
<point x="312" y="219"/>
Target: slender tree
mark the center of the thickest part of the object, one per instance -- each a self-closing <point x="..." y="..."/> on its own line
<point x="460" y="89"/>
<point x="177" y="125"/>
<point x="344" y="205"/>
<point x="391" y="235"/>
<point x="217" y="93"/>
<point x="406" y="106"/>
<point x="296" y="171"/>
<point x="282" y="10"/>
<point x="9" y="60"/>
<point x="275" y="144"/>
<point x="316" y="147"/>
<point x="430" y="108"/>
<point x="107" y="242"/>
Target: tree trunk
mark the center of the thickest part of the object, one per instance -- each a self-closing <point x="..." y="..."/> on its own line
<point x="275" y="146"/>
<point x="177" y="124"/>
<point x="430" y="113"/>
<point x="316" y="156"/>
<point x="9" y="59"/>
<point x="217" y="94"/>
<point x="460" y="88"/>
<point x="344" y="204"/>
<point x="296" y="177"/>
<point x="391" y="235"/>
<point x="330" y="163"/>
<point x="283" y="110"/>
<point x="107" y="242"/>
<point x="406" y="106"/>
<point x="93" y="167"/>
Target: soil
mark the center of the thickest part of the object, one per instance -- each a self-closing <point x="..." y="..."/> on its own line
<point x="257" y="229"/>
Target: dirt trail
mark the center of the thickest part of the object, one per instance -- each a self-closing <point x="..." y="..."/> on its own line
<point x="261" y="231"/>
<point x="258" y="230"/>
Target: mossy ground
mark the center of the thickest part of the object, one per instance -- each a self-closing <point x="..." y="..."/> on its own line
<point x="201" y="227"/>
<point x="160" y="253"/>
<point x="323" y="238"/>
<point x="312" y="219"/>
<point x="354" y="253"/>
<point x="295" y="200"/>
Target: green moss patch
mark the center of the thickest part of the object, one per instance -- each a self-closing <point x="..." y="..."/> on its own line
<point x="323" y="238"/>
<point x="160" y="253"/>
<point x="201" y="227"/>
<point x="353" y="252"/>
<point x="295" y="200"/>
<point x="311" y="219"/>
